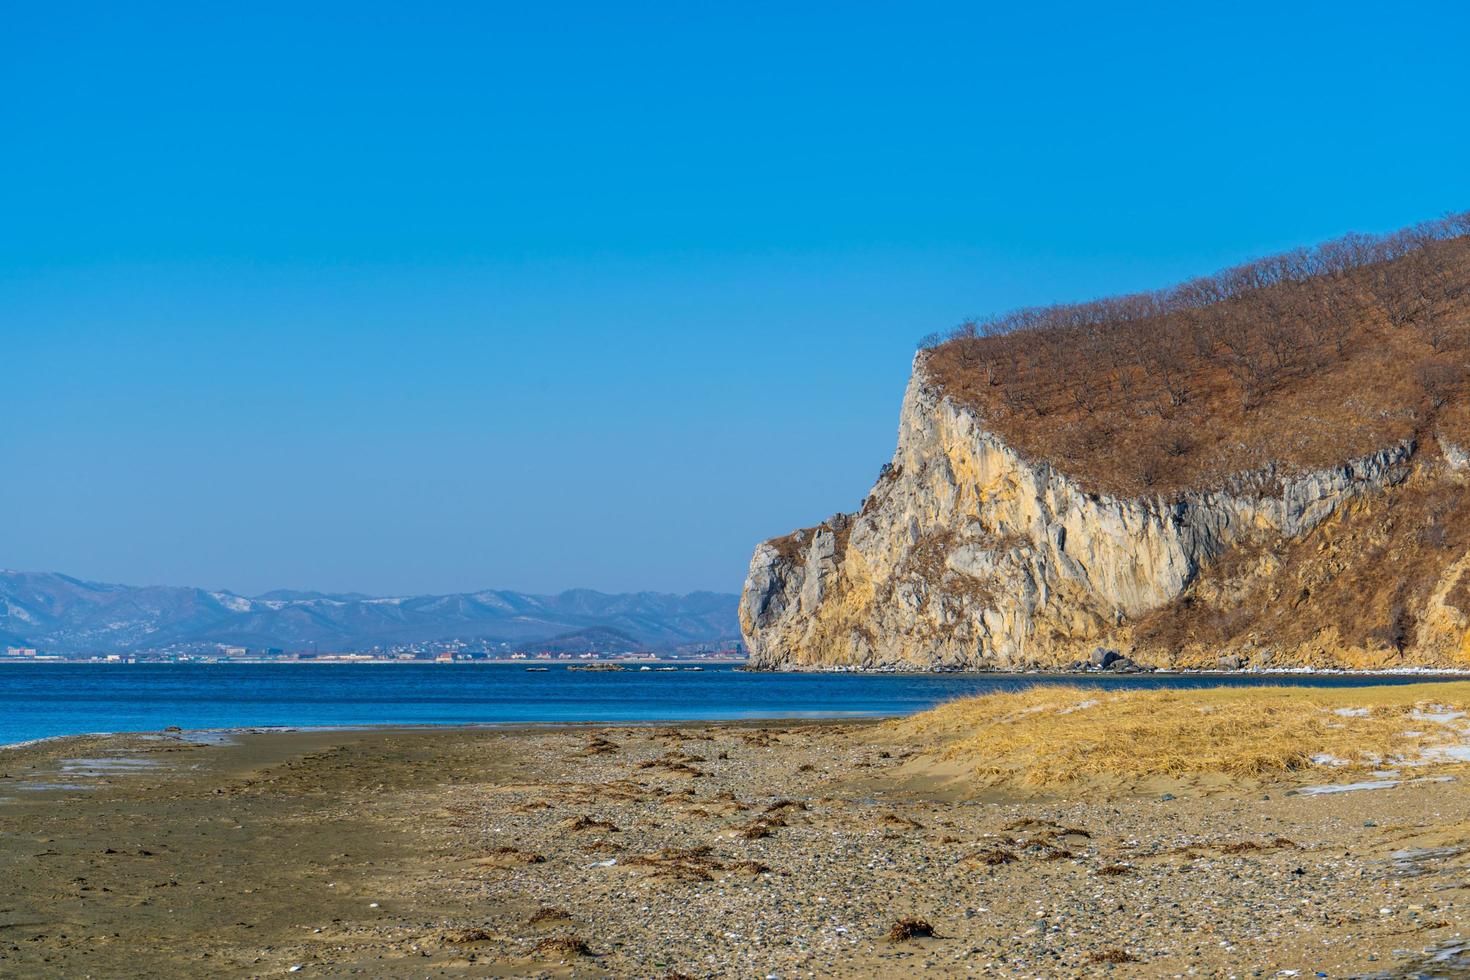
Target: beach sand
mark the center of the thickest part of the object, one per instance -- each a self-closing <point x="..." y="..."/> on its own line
<point x="701" y="850"/>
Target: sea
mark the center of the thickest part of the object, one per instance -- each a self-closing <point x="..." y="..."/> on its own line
<point x="48" y="699"/>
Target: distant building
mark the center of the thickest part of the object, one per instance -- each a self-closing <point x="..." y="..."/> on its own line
<point x="20" y="651"/>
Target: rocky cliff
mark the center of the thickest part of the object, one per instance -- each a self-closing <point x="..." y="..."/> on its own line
<point x="969" y="554"/>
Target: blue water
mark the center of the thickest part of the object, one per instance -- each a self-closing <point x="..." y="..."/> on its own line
<point x="38" y="700"/>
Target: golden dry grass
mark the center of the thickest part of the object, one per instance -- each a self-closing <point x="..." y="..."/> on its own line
<point x="1049" y="735"/>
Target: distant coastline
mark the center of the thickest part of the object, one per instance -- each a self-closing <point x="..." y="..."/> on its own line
<point x="339" y="659"/>
<point x="50" y="614"/>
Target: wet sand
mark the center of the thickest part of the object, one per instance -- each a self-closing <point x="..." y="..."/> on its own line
<point x="704" y="850"/>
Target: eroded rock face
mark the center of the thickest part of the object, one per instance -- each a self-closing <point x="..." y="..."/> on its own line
<point x="968" y="555"/>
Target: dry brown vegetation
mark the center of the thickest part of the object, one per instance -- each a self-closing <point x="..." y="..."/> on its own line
<point x="1250" y="846"/>
<point x="761" y="828"/>
<point x="909" y="928"/>
<point x="508" y="857"/>
<point x="1049" y="735"/>
<point x="1332" y="580"/>
<point x="589" y="823"/>
<point x="600" y="746"/>
<point x="792" y="547"/>
<point x="1114" y="870"/>
<point x="563" y="946"/>
<point x="680" y="864"/>
<point x="676" y="762"/>
<point x="1303" y="360"/>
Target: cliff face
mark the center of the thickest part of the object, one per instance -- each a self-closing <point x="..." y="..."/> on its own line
<point x="967" y="554"/>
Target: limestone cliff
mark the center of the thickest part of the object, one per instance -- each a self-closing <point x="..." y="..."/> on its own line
<point x="968" y="554"/>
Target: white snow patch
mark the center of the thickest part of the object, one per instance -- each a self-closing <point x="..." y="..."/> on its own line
<point x="1442" y="715"/>
<point x="1371" y="784"/>
<point x="1351" y="712"/>
<point x="19" y="612"/>
<point x="1347" y="787"/>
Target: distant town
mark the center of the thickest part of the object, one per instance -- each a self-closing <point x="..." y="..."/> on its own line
<point x="450" y="652"/>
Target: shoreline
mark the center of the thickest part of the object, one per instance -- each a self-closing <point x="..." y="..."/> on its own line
<point x="366" y="662"/>
<point x="1148" y="672"/>
<point x="1108" y="678"/>
<point x="744" y="666"/>
<point x="702" y="850"/>
<point x="450" y="728"/>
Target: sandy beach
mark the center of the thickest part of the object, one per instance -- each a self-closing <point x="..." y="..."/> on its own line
<point x="844" y="850"/>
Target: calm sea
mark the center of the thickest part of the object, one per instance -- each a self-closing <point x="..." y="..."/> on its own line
<point x="39" y="700"/>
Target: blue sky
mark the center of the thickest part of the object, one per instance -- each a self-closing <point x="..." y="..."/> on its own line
<point x="436" y="297"/>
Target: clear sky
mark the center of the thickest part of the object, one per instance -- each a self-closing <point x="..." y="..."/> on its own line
<point x="429" y="297"/>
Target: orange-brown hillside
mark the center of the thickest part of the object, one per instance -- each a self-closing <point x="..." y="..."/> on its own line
<point x="1304" y="360"/>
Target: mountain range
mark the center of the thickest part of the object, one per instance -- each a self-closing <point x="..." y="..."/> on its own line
<point x="65" y="615"/>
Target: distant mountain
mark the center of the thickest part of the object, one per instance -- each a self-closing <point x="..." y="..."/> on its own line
<point x="291" y="595"/>
<point x="65" y="615"/>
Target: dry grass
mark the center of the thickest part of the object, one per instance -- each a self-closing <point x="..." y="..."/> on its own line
<point x="1050" y="735"/>
<point x="674" y="762"/>
<point x="508" y="857"/>
<point x="899" y="823"/>
<point x="1326" y="593"/>
<point x="761" y="828"/>
<point x="600" y="746"/>
<point x="1250" y="846"/>
<point x="1164" y="403"/>
<point x="750" y="868"/>
<point x="548" y="914"/>
<point x="909" y="928"/>
<point x="1111" y="956"/>
<point x="563" y="946"/>
<point x="577" y="824"/>
<point x="679" y="864"/>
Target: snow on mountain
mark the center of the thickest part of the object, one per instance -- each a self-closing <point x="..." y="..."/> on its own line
<point x="67" y="615"/>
